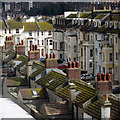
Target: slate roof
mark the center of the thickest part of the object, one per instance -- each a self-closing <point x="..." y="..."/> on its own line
<point x="10" y="54"/>
<point x="45" y="26"/>
<point x="52" y="80"/>
<point x="28" y="95"/>
<point x="39" y="66"/>
<point x="94" y="109"/>
<point x="58" y="108"/>
<point x="14" y="24"/>
<point x="86" y="92"/>
<point x="16" y="81"/>
<point x="30" y="26"/>
<point x="22" y="58"/>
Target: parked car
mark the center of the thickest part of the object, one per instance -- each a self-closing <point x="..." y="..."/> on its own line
<point x="62" y="66"/>
<point x="116" y="90"/>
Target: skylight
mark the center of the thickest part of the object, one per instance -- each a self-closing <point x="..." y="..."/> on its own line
<point x="51" y="81"/>
<point x="33" y="70"/>
<point x="17" y="62"/>
<point x="35" y="94"/>
<point x="77" y="92"/>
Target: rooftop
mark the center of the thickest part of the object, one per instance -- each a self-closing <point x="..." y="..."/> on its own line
<point x="30" y="26"/>
<point x="27" y="94"/>
<point x="16" y="81"/>
<point x="52" y="80"/>
<point x="45" y="26"/>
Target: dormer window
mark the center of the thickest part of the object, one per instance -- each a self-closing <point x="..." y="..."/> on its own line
<point x="30" y="33"/>
<point x="17" y="30"/>
<point x="95" y="23"/>
<point x="115" y="25"/>
<point x="99" y="24"/>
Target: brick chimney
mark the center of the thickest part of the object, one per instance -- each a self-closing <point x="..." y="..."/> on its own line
<point x="106" y="109"/>
<point x="20" y="48"/>
<point x="103" y="85"/>
<point x="9" y="43"/>
<point x="51" y="62"/>
<point x="73" y="71"/>
<point x="33" y="54"/>
<point x="72" y="96"/>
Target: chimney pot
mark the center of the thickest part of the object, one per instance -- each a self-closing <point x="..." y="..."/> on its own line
<point x="103" y="77"/>
<point x="30" y="47"/>
<point x="22" y="42"/>
<point x="54" y="55"/>
<point x="77" y="64"/>
<point x="47" y="56"/>
<point x="108" y="76"/>
<point x="73" y="64"/>
<point x="69" y="65"/>
<point x="98" y="77"/>
<point x="51" y="56"/>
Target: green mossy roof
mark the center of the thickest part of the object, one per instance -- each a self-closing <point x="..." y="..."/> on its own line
<point x="72" y="16"/>
<point x="94" y="109"/>
<point x="84" y="15"/>
<point x="86" y="93"/>
<point x="100" y="16"/>
<point x="24" y="60"/>
<point x="45" y="26"/>
<point x="11" y="54"/>
<point x="2" y="25"/>
<point x="57" y="78"/>
<point x="30" y="26"/>
<point x="14" y="24"/>
<point x="16" y="81"/>
<point x="39" y="67"/>
<point x="28" y="95"/>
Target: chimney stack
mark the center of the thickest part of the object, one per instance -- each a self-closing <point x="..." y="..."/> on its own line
<point x="72" y="96"/>
<point x="103" y="85"/>
<point x="33" y="54"/>
<point x="9" y="43"/>
<point x="105" y="109"/>
<point x="20" y="48"/>
<point x="73" y="71"/>
<point x="51" y="61"/>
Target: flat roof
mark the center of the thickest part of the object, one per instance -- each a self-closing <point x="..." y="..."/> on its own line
<point x="9" y="109"/>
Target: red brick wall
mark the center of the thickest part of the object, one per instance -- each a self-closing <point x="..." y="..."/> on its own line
<point x="51" y="63"/>
<point x="20" y="49"/>
<point x="34" y="55"/>
<point x="74" y="74"/>
<point x="104" y="87"/>
<point x="8" y="45"/>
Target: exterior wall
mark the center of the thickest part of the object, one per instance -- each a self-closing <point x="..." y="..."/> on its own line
<point x="86" y="116"/>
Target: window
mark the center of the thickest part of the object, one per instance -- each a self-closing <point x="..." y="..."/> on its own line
<point x="81" y="64"/>
<point x="17" y="30"/>
<point x="116" y="71"/>
<point x="75" y="48"/>
<point x="116" y="56"/>
<point x="96" y="37"/>
<point x="42" y="33"/>
<point x="37" y="33"/>
<point x="90" y="65"/>
<point x="110" y="70"/>
<point x="116" y="40"/>
<point x="60" y="55"/>
<point x="81" y="51"/>
<point x="61" y="45"/>
<point x="49" y="33"/>
<point x="47" y="42"/>
<point x="110" y="56"/>
<point x="9" y="31"/>
<point x="42" y="42"/>
<point x="103" y="57"/>
<point x="50" y="42"/>
<point x="30" y="33"/>
<point x="91" y="52"/>
<point x="104" y="70"/>
<point x="38" y="42"/>
<point x="5" y="31"/>
<point x="110" y="42"/>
